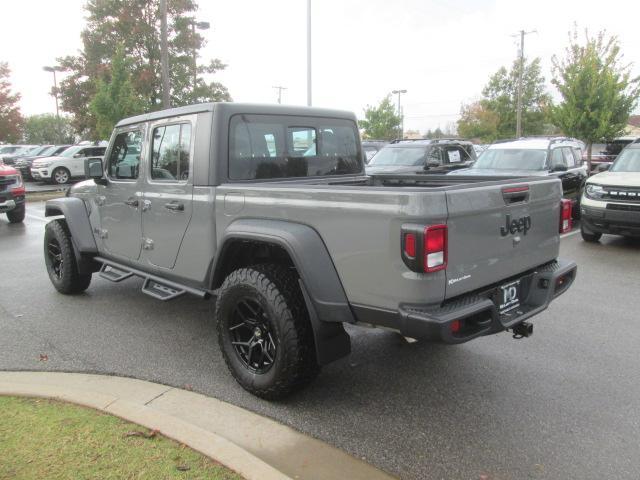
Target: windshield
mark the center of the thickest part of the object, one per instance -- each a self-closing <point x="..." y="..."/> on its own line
<point x="69" y="152"/>
<point x="48" y="151"/>
<point x="399" y="156"/>
<point x="39" y="150"/>
<point x="511" y="159"/>
<point x="628" y="161"/>
<point x="8" y="149"/>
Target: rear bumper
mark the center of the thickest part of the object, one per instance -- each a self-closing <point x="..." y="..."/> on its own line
<point x="476" y="313"/>
<point x="616" y="219"/>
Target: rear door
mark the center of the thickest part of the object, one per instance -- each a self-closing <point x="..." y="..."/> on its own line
<point x="498" y="231"/>
<point x="168" y="191"/>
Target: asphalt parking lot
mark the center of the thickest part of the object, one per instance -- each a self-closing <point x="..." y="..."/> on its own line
<point x="564" y="404"/>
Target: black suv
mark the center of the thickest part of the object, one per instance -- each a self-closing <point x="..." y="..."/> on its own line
<point x="423" y="156"/>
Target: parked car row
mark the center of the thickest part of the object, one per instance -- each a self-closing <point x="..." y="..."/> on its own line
<point x="57" y="164"/>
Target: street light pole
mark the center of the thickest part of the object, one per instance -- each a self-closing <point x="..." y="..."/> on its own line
<point x="400" y="92"/>
<point x="164" y="56"/>
<point x="309" y="53"/>
<point x="199" y="26"/>
<point x="53" y="70"/>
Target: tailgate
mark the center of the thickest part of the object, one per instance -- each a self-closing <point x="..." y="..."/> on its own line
<point x="498" y="231"/>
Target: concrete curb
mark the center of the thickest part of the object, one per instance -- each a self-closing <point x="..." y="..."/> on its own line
<point x="254" y="446"/>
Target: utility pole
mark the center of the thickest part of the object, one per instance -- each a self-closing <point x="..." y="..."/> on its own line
<point x="164" y="56"/>
<point x="522" y="33"/>
<point x="309" y="53"/>
<point x="280" y="89"/>
<point x="400" y="92"/>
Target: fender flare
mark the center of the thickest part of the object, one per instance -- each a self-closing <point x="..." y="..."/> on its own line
<point x="319" y="281"/>
<point x="77" y="217"/>
<point x="84" y="244"/>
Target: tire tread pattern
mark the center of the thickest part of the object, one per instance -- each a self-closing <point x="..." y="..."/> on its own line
<point x="72" y="282"/>
<point x="279" y="286"/>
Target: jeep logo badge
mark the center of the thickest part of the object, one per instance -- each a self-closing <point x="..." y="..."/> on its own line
<point x="522" y="224"/>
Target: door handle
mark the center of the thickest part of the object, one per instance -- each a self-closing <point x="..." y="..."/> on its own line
<point x="132" y="202"/>
<point x="175" y="206"/>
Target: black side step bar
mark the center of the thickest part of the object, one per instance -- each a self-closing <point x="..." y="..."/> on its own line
<point x="154" y="286"/>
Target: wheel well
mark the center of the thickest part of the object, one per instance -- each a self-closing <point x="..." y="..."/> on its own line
<point x="243" y="253"/>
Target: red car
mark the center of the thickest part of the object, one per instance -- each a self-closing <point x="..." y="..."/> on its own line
<point x="11" y="194"/>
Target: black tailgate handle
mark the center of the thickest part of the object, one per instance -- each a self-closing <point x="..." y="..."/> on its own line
<point x="515" y="194"/>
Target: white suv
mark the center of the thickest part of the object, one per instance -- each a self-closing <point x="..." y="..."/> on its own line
<point x="611" y="200"/>
<point x="68" y="164"/>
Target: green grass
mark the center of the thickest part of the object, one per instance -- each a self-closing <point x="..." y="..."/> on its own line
<point x="45" y="439"/>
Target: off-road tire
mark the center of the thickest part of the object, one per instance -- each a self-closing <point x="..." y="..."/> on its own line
<point x="17" y="214"/>
<point x="55" y="181"/>
<point x="66" y="279"/>
<point x="590" y="237"/>
<point x="276" y="289"/>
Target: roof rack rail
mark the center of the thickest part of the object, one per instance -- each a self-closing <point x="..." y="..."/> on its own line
<point x="433" y="140"/>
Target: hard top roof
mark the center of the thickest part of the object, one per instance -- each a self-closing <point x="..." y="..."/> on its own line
<point x="232" y="108"/>
<point x="532" y="143"/>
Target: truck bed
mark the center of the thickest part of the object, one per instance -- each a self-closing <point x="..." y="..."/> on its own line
<point x="360" y="221"/>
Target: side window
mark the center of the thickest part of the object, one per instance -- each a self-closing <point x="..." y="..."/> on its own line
<point x="557" y="158"/>
<point x="568" y="157"/>
<point x="83" y="153"/>
<point x="170" y="155"/>
<point x="124" y="159"/>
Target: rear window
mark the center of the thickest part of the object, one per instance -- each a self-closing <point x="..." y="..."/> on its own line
<point x="512" y="159"/>
<point x="400" y="156"/>
<point x="278" y="146"/>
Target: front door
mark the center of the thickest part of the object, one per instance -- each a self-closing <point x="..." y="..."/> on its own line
<point x="119" y="202"/>
<point x="167" y="201"/>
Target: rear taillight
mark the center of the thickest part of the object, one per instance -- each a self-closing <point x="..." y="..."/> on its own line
<point x="565" y="215"/>
<point x="435" y="248"/>
<point x="424" y="249"/>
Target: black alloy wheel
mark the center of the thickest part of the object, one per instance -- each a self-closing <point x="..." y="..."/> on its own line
<point x="251" y="336"/>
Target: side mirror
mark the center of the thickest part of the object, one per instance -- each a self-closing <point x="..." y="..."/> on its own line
<point x="77" y="155"/>
<point x="603" y="167"/>
<point x="559" y="168"/>
<point x="93" y="169"/>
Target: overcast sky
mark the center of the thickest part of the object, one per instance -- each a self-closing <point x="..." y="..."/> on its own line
<point x="441" y="51"/>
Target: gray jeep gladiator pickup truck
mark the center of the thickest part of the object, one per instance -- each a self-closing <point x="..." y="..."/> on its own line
<point x="268" y="209"/>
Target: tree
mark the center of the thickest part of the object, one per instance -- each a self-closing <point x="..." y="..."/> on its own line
<point x="10" y="116"/>
<point x="115" y="98"/>
<point x="478" y="122"/>
<point x="381" y="122"/>
<point x="598" y="92"/>
<point x="134" y="26"/>
<point x="46" y="128"/>
<point x="501" y="97"/>
<point x="494" y="116"/>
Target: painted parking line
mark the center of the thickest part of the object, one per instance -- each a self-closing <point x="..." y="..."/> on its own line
<point x="35" y="217"/>
<point x="569" y="234"/>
